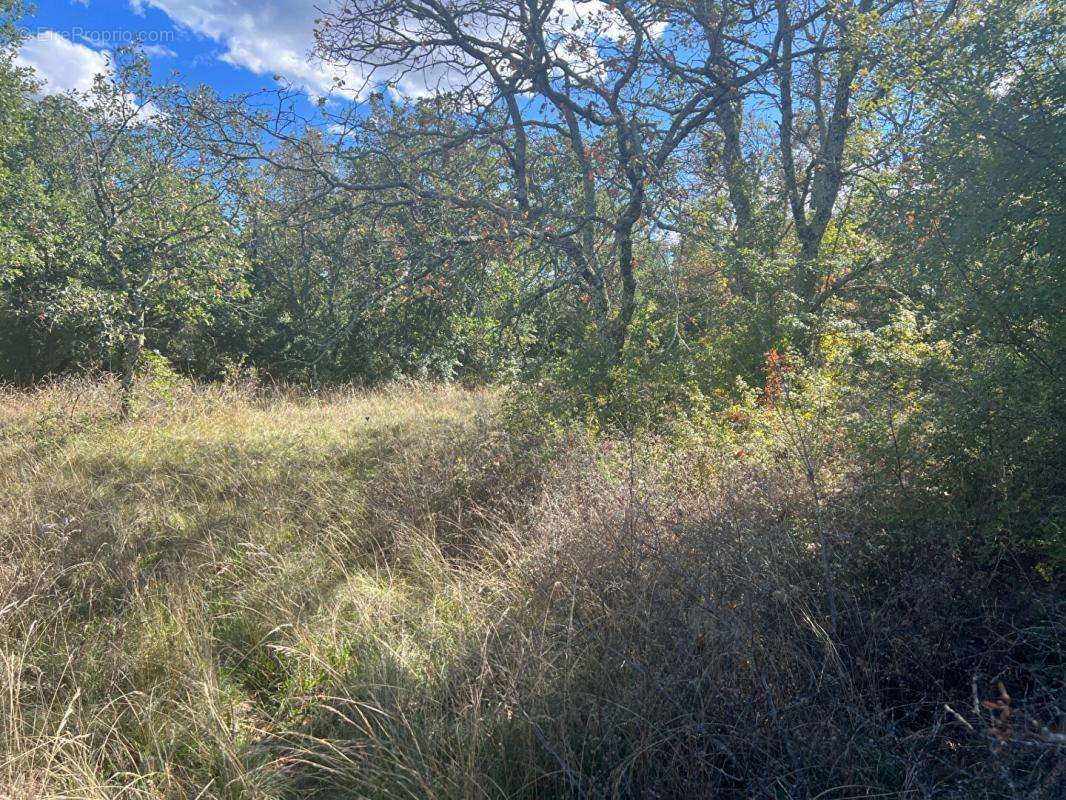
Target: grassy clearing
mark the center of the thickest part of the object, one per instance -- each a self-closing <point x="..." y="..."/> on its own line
<point x="393" y="594"/>
<point x="181" y="590"/>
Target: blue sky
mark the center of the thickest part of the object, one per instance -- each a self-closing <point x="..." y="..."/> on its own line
<point x="233" y="45"/>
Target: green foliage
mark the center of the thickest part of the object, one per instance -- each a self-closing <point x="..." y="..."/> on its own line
<point x="122" y="235"/>
<point x="978" y="228"/>
<point x="650" y="387"/>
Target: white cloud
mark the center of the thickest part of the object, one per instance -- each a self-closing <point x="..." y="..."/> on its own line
<point x="267" y="37"/>
<point x="65" y="66"/>
<point x="61" y="64"/>
<point x="275" y="37"/>
<point x="158" y="51"/>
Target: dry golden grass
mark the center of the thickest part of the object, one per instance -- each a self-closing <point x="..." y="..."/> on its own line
<point x="174" y="588"/>
<point x="395" y="594"/>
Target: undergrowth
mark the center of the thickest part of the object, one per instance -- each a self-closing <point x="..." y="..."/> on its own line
<point x="249" y="594"/>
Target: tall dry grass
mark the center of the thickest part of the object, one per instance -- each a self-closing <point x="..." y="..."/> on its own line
<point x="393" y="594"/>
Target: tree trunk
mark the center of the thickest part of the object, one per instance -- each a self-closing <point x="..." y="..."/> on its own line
<point x="805" y="282"/>
<point x="627" y="303"/>
<point x="734" y="170"/>
<point x="131" y="355"/>
<point x="629" y="153"/>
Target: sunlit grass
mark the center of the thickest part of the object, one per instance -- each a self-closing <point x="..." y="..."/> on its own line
<point x="180" y="591"/>
<point x="407" y="594"/>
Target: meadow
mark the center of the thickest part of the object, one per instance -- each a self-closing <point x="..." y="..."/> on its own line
<point x="245" y="593"/>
